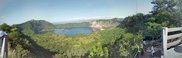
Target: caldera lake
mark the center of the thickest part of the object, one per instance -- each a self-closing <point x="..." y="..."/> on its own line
<point x="73" y="31"/>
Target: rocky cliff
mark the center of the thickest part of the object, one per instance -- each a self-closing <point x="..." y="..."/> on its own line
<point x="104" y="24"/>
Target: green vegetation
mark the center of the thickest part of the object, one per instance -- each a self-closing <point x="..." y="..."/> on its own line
<point x="36" y="26"/>
<point x="17" y="43"/>
<point x="164" y="14"/>
<point x="97" y="44"/>
<point x="94" y="45"/>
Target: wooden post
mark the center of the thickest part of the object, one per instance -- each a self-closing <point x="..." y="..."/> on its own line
<point x="164" y="38"/>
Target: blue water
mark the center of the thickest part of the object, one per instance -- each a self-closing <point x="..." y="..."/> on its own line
<point x="73" y="31"/>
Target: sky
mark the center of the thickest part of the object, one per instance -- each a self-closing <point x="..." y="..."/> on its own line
<point x="19" y="11"/>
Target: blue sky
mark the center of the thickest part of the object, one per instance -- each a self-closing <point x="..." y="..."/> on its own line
<point x="18" y="11"/>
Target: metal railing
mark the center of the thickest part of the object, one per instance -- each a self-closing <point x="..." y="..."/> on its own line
<point x="4" y="49"/>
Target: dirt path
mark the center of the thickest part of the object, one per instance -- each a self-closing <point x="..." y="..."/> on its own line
<point x="37" y="50"/>
<point x="146" y="54"/>
<point x="40" y="52"/>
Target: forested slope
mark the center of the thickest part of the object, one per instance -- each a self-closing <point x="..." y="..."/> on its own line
<point x="35" y="26"/>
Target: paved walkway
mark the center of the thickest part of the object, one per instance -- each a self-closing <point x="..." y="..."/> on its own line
<point x="175" y="52"/>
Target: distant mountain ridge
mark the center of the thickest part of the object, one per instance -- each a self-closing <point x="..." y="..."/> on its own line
<point x="99" y="24"/>
<point x="41" y="26"/>
<point x="36" y="26"/>
<point x="72" y="25"/>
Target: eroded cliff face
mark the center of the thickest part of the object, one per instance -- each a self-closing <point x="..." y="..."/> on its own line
<point x="103" y="24"/>
<point x="96" y="25"/>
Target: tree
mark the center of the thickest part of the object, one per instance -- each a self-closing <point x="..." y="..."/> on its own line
<point x="5" y="27"/>
<point x="165" y="14"/>
<point x="124" y="44"/>
<point x="134" y="23"/>
<point x="106" y="52"/>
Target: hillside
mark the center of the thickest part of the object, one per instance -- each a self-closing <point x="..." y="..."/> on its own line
<point x="95" y="24"/>
<point x="36" y="26"/>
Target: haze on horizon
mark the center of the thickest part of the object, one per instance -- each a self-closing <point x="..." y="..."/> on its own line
<point x="15" y="12"/>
